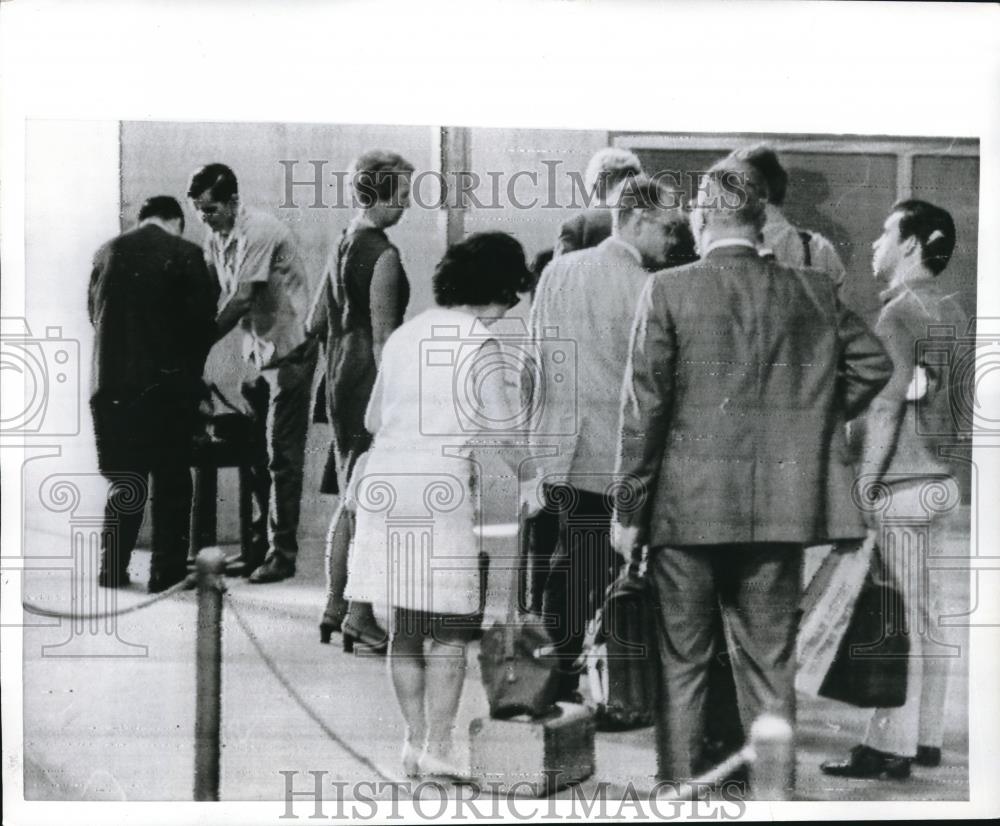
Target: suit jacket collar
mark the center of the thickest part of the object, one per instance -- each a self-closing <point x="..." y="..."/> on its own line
<point x="732" y="251"/>
<point x="616" y="246"/>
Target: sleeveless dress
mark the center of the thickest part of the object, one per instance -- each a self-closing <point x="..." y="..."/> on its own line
<point x="417" y="490"/>
<point x="351" y="367"/>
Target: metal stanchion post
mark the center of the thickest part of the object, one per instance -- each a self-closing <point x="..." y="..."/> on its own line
<point x="211" y="567"/>
<point x="772" y="770"/>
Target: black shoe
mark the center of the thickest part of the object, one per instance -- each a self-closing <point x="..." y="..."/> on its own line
<point x="866" y="762"/>
<point x="929" y="756"/>
<point x="274" y="569"/>
<point x="113" y="579"/>
<point x="326" y="630"/>
<point x="159" y="581"/>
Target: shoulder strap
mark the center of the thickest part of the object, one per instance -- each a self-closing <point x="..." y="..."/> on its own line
<point x="806" y="237"/>
<point x="215" y="391"/>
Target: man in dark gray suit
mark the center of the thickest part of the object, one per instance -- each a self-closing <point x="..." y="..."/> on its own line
<point x="740" y="374"/>
<point x="152" y="304"/>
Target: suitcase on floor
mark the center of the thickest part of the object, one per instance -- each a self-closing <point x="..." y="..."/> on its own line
<point x="533" y="758"/>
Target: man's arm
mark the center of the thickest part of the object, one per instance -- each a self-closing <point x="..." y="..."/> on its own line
<point x="237" y="306"/>
<point x="253" y="274"/>
<point x="93" y="291"/>
<point x="825" y="257"/>
<point x="200" y="298"/>
<point x="885" y="416"/>
<point x="865" y="365"/>
<point x="645" y="411"/>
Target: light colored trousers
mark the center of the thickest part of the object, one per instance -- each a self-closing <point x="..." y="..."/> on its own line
<point x="913" y="527"/>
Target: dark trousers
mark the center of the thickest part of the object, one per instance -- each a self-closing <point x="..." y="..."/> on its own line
<point x="543" y="538"/>
<point x="581" y="569"/>
<point x="279" y="401"/>
<point x="757" y="586"/>
<point x="141" y="438"/>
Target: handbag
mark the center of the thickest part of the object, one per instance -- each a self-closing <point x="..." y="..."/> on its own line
<point x="517" y="672"/>
<point x="870" y="667"/>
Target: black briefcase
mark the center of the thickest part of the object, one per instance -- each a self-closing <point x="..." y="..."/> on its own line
<point x="870" y="668"/>
<point x="621" y="657"/>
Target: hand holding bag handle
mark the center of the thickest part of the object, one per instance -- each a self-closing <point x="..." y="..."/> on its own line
<point x="516" y="676"/>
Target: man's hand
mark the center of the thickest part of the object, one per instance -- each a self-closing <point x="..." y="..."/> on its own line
<point x="624" y="538"/>
<point x="532" y="499"/>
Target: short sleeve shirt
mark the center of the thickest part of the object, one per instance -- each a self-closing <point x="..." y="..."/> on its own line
<point x="261" y="249"/>
<point x="919" y="325"/>
<point x="783" y="239"/>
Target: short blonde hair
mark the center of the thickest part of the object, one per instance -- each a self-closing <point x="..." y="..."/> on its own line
<point x="376" y="175"/>
<point x="609" y="167"/>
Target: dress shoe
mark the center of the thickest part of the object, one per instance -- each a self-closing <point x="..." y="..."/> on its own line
<point x="159" y="581"/>
<point x="929" y="756"/>
<point x="113" y="579"/>
<point x="274" y="569"/>
<point x="866" y="762"/>
<point x="373" y="640"/>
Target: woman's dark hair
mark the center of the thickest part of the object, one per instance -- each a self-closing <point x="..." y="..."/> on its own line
<point x="485" y="268"/>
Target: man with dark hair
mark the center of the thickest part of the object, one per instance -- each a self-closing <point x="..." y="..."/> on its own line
<point x="738" y="371"/>
<point x="265" y="290"/>
<point x="152" y="304"/>
<point x="589" y="297"/>
<point x="788" y="244"/>
<point x="607" y="170"/>
<point x="907" y="425"/>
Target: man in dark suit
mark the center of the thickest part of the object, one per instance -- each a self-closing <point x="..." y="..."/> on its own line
<point x="608" y="169"/>
<point x="152" y="304"/>
<point x="740" y="373"/>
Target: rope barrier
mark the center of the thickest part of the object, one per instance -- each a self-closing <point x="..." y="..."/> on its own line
<point x="769" y="755"/>
<point x="184" y="585"/>
<point x="299" y="701"/>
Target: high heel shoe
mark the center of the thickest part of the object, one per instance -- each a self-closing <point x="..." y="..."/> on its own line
<point x="374" y="642"/>
<point x="327" y="630"/>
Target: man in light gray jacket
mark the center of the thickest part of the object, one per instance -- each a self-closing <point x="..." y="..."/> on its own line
<point x="583" y="308"/>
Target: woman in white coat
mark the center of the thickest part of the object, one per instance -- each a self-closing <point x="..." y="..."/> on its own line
<point x="440" y="390"/>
